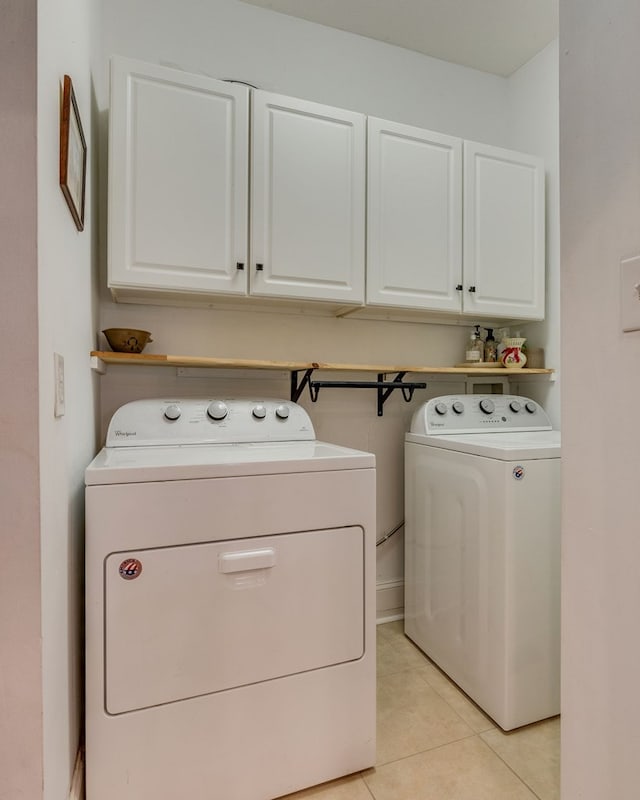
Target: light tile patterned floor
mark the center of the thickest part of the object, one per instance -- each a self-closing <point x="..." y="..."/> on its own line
<point x="435" y="744"/>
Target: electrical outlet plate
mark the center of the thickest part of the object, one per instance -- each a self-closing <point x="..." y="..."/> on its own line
<point x="58" y="372"/>
<point x="630" y="294"/>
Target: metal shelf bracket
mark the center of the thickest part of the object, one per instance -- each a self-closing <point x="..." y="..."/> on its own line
<point x="383" y="387"/>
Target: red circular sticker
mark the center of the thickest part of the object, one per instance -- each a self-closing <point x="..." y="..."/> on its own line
<point x="130" y="569"/>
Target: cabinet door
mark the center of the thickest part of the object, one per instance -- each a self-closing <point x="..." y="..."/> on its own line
<point x="414" y="217"/>
<point x="308" y="196"/>
<point x="178" y="181"/>
<point x="504" y="239"/>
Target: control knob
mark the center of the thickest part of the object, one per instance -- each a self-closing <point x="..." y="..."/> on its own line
<point x="515" y="406"/>
<point x="259" y="412"/>
<point x="531" y="407"/>
<point x="282" y="412"/>
<point x="441" y="409"/>
<point x="487" y="406"/>
<point x="172" y="412"/>
<point x="458" y="407"/>
<point x="217" y="410"/>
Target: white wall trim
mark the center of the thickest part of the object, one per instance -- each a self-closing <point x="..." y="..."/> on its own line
<point x="389" y="600"/>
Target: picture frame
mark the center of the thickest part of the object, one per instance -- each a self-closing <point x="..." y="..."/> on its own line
<point x="73" y="154"/>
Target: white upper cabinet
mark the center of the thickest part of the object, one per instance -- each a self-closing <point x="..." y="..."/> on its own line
<point x="414" y="217"/>
<point x="453" y="226"/>
<point x="307" y="200"/>
<point x="504" y="233"/>
<point x="178" y="181"/>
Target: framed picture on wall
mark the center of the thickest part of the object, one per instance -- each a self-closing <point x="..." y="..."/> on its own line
<point x="73" y="154"/>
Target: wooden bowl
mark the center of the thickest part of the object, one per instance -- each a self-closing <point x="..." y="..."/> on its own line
<point x="127" y="340"/>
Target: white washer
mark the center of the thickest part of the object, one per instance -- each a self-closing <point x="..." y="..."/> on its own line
<point x="230" y="604"/>
<point x="482" y="550"/>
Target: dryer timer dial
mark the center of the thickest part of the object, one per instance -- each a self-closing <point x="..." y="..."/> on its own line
<point x="217" y="410"/>
<point x="172" y="412"/>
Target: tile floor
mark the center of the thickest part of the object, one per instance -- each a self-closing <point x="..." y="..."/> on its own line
<point x="435" y="744"/>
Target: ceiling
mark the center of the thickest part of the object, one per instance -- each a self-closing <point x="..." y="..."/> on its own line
<point x="495" y="36"/>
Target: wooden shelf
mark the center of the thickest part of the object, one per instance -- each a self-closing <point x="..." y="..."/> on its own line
<point x="100" y="358"/>
<point x="384" y="387"/>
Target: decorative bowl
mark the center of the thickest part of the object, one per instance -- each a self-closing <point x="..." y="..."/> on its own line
<point x="127" y="340"/>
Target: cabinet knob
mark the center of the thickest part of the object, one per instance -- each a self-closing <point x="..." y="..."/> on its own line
<point x="259" y="267"/>
<point x="459" y="287"/>
<point x="472" y="288"/>
<point x="239" y="265"/>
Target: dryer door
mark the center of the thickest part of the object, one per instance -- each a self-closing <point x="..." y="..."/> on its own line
<point x="196" y="619"/>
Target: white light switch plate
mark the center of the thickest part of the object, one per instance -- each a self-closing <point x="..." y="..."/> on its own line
<point x="58" y="372"/>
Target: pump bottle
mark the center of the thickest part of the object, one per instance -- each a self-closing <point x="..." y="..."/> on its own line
<point x="490" y="347"/>
<point x="475" y="349"/>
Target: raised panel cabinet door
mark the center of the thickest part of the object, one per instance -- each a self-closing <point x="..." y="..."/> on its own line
<point x="414" y="217"/>
<point x="178" y="181"/>
<point x="504" y="233"/>
<point x="308" y="200"/>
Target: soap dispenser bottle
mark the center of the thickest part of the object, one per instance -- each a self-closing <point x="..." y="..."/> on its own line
<point x="490" y="347"/>
<point x="475" y="348"/>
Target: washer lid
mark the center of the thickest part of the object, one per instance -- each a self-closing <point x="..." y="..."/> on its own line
<point x="187" y="462"/>
<point x="505" y="446"/>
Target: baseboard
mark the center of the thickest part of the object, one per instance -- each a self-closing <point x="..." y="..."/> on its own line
<point x="76" y="792"/>
<point x="390" y="618"/>
<point x="389" y="600"/>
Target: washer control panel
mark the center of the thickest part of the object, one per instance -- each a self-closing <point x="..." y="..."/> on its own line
<point x="479" y="413"/>
<point x="208" y="420"/>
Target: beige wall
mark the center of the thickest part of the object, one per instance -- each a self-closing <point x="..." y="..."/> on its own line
<point x="67" y="314"/>
<point x="47" y="305"/>
<point x="534" y="100"/>
<point x="20" y="643"/>
<point x="600" y="222"/>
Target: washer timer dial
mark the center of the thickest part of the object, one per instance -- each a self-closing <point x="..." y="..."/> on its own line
<point x="487" y="406"/>
<point x="217" y="410"/>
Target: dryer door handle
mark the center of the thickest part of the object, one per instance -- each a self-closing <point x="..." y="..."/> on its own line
<point x="244" y="560"/>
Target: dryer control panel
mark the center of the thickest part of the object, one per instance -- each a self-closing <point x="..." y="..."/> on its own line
<point x="208" y="420"/>
<point x="479" y="413"/>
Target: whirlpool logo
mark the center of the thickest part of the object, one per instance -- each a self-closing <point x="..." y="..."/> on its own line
<point x="130" y="569"/>
<point x="124" y="434"/>
<point x="518" y="472"/>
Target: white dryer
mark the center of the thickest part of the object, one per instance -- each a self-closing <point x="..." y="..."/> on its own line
<point x="482" y="550"/>
<point x="230" y="608"/>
